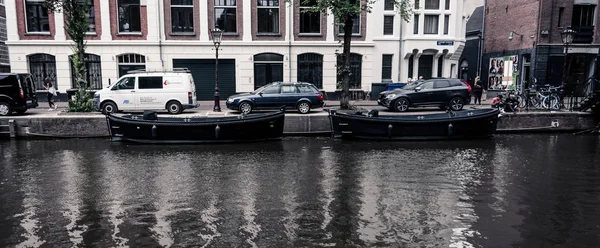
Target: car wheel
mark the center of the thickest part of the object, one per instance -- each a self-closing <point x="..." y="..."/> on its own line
<point x="174" y="107"/>
<point x="245" y="108"/>
<point x="5" y="109"/>
<point x="456" y="103"/>
<point x="402" y="105"/>
<point x="303" y="107"/>
<point x="21" y="111"/>
<point x="109" y="108"/>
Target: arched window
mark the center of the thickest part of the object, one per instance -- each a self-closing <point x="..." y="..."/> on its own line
<point x="93" y="71"/>
<point x="268" y="68"/>
<point x="42" y="65"/>
<point x="355" y="70"/>
<point x="310" y="69"/>
<point x="130" y="62"/>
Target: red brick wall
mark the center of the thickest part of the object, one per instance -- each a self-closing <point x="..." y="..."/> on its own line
<point x="282" y="23"/>
<point x="114" y="26"/>
<point x="297" y="36"/>
<point x="549" y="19"/>
<point x="98" y="19"/>
<point x="22" y="28"/>
<point x="502" y="17"/>
<point x="167" y="20"/>
<point x="239" y="19"/>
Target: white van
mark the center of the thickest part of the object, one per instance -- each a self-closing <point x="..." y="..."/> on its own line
<point x="149" y="90"/>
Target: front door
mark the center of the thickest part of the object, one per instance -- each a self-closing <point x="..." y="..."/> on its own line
<point x="123" y="94"/>
<point x="268" y="97"/>
<point x="441" y="91"/>
<point x="425" y="95"/>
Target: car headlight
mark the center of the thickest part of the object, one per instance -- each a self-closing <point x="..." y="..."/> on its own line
<point x="390" y="96"/>
<point x="96" y="95"/>
<point x="229" y="100"/>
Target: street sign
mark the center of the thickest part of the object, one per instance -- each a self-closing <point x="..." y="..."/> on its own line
<point x="445" y="43"/>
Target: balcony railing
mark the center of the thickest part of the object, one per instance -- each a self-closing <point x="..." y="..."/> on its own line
<point x="584" y="35"/>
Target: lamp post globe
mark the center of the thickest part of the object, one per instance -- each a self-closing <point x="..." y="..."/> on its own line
<point x="567" y="36"/>
<point x="217" y="35"/>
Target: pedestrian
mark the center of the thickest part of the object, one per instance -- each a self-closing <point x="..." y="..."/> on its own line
<point x="478" y="90"/>
<point x="51" y="93"/>
<point x="498" y="103"/>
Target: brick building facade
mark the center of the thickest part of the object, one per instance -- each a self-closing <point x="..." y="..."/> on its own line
<point x="523" y="45"/>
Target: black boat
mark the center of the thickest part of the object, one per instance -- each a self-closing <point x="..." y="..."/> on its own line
<point x="466" y="124"/>
<point x="150" y="128"/>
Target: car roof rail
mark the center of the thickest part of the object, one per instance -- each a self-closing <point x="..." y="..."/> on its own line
<point x="186" y="70"/>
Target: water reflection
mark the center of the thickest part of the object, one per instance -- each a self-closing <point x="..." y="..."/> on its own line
<point x="524" y="191"/>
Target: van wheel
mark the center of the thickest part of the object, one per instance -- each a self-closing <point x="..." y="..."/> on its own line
<point x="5" y="109"/>
<point x="109" y="108"/>
<point x="174" y="107"/>
<point x="245" y="108"/>
<point x="303" y="107"/>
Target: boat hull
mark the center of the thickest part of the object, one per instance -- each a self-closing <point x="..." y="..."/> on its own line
<point x="250" y="128"/>
<point x="465" y="124"/>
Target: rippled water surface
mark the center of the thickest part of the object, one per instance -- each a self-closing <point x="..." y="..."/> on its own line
<point x="511" y="191"/>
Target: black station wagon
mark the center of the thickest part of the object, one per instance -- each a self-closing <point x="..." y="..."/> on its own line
<point x="296" y="95"/>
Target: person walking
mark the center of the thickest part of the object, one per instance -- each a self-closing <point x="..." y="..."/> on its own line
<point x="477" y="91"/>
<point x="51" y="93"/>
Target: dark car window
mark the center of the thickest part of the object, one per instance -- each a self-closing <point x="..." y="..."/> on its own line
<point x="150" y="83"/>
<point x="307" y="89"/>
<point x="442" y="84"/>
<point x="456" y="83"/>
<point x="288" y="89"/>
<point x="426" y="86"/>
<point x="127" y="83"/>
<point x="273" y="89"/>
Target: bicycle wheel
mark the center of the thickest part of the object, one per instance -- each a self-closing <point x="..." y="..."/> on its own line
<point x="554" y="102"/>
<point x="521" y="101"/>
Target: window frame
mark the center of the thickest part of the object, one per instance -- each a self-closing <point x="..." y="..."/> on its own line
<point x="37" y="3"/>
<point x="447" y="5"/>
<point x="446" y="24"/>
<point x="138" y="60"/>
<point x="187" y="7"/>
<point x="356" y="21"/>
<point x="119" y="20"/>
<point x="416" y="24"/>
<point x="437" y="24"/>
<point x="390" y="66"/>
<point x="260" y="7"/>
<point x="389" y="32"/>
<point x="302" y="7"/>
<point x="225" y="7"/>
<point x="430" y="4"/>
<point x="91" y="17"/>
<point x="388" y="5"/>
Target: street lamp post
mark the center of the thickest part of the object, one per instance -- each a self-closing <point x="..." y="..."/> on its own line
<point x="567" y="36"/>
<point x="217" y="35"/>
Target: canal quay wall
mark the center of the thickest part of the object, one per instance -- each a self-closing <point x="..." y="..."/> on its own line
<point x="88" y="125"/>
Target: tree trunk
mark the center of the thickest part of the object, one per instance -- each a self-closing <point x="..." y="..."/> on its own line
<point x="344" y="98"/>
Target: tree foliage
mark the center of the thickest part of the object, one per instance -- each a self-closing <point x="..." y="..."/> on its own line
<point x="76" y="14"/>
<point x="344" y="12"/>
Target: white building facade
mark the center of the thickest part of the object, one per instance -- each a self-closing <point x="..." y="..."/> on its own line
<point x="263" y="41"/>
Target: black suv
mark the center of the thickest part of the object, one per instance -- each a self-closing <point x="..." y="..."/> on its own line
<point x="440" y="92"/>
<point x="17" y="93"/>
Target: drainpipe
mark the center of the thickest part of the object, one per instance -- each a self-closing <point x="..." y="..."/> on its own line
<point x="482" y="39"/>
<point x="290" y="18"/>
<point x="160" y="30"/>
<point x="400" y="53"/>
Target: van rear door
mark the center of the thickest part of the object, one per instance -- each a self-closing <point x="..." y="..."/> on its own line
<point x="28" y="87"/>
<point x="194" y="100"/>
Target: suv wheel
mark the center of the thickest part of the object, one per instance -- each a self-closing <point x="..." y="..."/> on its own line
<point x="401" y="105"/>
<point x="109" y="108"/>
<point x="456" y="103"/>
<point x="174" y="107"/>
<point x="5" y="109"/>
<point x="245" y="108"/>
<point x="303" y="107"/>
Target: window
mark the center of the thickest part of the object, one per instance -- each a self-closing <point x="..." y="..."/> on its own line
<point x="93" y="71"/>
<point x="127" y="83"/>
<point x="388" y="5"/>
<point x="42" y="66"/>
<point x="307" y="89"/>
<point x="446" y="23"/>
<point x="440" y="66"/>
<point x="268" y="68"/>
<point x="37" y="16"/>
<point x="310" y="22"/>
<point x="447" y="6"/>
<point x="432" y="4"/>
<point x="182" y="16"/>
<point x="416" y="25"/>
<point x="388" y="25"/>
<point x="1" y="2"/>
<point x="129" y="16"/>
<point x="431" y="24"/>
<point x="561" y="11"/>
<point x="150" y="83"/>
<point x="426" y="85"/>
<point x="226" y="15"/>
<point x="268" y="16"/>
<point x="425" y="68"/>
<point x="310" y="69"/>
<point x="583" y="15"/>
<point x="355" y="70"/>
<point x="441" y="84"/>
<point x="386" y="67"/>
<point x="269" y="90"/>
<point x="417" y="4"/>
<point x="355" y="26"/>
<point x="130" y="62"/>
<point x="91" y="14"/>
<point x="411" y="64"/>
<point x="288" y="89"/>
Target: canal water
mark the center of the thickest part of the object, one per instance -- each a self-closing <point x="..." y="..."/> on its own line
<point x="510" y="191"/>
